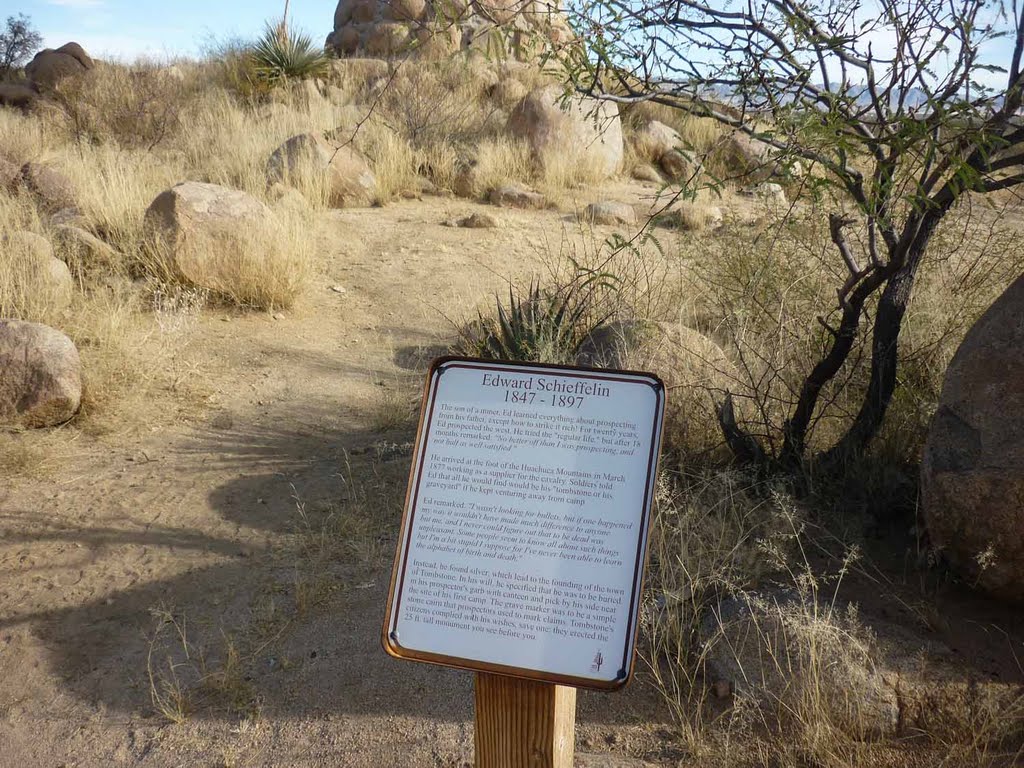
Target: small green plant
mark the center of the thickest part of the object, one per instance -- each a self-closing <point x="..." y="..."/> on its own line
<point x="280" y="55"/>
<point x="547" y="325"/>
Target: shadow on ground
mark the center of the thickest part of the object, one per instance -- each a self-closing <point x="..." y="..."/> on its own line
<point x="300" y="603"/>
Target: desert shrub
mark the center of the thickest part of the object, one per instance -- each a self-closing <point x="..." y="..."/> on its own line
<point x="546" y="324"/>
<point x="228" y="64"/>
<point x="443" y="103"/>
<point x="709" y="538"/>
<point x="18" y="41"/>
<point x="281" y="54"/>
<point x="136" y="107"/>
<point x="493" y="163"/>
<point x="436" y="114"/>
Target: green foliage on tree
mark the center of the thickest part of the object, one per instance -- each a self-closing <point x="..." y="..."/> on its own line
<point x="18" y="42"/>
<point x="888" y="109"/>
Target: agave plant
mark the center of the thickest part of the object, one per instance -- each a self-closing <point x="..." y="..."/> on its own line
<point x="546" y="325"/>
<point x="281" y="54"/>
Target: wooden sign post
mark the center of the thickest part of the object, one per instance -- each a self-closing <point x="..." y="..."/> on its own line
<point x="524" y="541"/>
<point x="523" y="723"/>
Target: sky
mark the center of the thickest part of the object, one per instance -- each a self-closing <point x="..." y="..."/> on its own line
<point x="126" y="29"/>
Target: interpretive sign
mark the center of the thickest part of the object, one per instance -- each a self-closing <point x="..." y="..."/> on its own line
<point x="524" y="537"/>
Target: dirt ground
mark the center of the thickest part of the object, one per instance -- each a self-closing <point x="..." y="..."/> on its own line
<point x="197" y="516"/>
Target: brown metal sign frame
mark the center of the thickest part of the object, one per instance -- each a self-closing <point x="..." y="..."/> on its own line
<point x="390" y="639"/>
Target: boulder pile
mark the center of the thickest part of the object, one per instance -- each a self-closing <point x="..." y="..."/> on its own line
<point x="438" y="28"/>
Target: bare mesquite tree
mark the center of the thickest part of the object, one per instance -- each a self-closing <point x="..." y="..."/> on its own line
<point x="18" y="41"/>
<point x="900" y="107"/>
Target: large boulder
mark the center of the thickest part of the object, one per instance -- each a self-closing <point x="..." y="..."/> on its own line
<point x="661" y="145"/>
<point x="655" y="139"/>
<point x="972" y="473"/>
<point x="516" y="195"/>
<point x="755" y="160"/>
<point x="198" y="223"/>
<point x="580" y="130"/>
<point x="310" y="159"/>
<point x="40" y="375"/>
<point x="83" y="250"/>
<point x="49" y="66"/>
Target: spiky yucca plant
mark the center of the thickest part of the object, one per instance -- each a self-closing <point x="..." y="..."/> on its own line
<point x="281" y="54"/>
<point x="546" y="325"/>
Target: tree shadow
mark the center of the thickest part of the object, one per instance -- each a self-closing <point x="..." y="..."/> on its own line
<point x="301" y="616"/>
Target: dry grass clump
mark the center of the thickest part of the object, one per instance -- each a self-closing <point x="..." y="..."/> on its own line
<point x="25" y="294"/>
<point x="707" y="541"/>
<point x="497" y="162"/>
<point x="114" y="187"/>
<point x="426" y="121"/>
<point x="228" y="143"/>
<point x="558" y="171"/>
<point x="134" y="107"/>
<point x="701" y="135"/>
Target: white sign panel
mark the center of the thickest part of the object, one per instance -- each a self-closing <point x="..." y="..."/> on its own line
<point x="525" y="531"/>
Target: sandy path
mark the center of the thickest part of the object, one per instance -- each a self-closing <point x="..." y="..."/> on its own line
<point x="197" y="517"/>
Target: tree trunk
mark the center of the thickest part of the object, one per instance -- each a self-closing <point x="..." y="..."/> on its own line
<point x="796" y="426"/>
<point x="892" y="306"/>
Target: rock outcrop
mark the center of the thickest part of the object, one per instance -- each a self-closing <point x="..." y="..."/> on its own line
<point x="972" y="473"/>
<point x="40" y="375"/>
<point x="439" y="28"/>
<point x="573" y="130"/>
<point x="310" y="159"/>
<point x="50" y="66"/>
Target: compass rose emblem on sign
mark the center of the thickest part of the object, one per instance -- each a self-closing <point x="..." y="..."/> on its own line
<point x="598" y="661"/>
